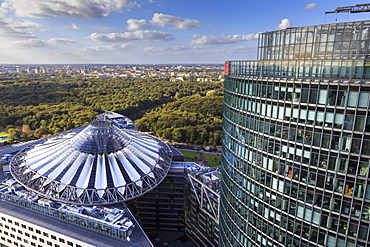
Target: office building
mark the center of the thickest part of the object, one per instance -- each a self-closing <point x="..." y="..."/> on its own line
<point x="296" y="143"/>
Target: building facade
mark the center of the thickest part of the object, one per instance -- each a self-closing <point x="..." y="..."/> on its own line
<point x="164" y="208"/>
<point x="296" y="140"/>
<point x="201" y="214"/>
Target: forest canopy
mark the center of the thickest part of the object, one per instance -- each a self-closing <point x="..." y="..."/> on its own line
<point x="45" y="105"/>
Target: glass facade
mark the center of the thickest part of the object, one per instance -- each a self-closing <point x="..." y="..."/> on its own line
<point x="296" y="140"/>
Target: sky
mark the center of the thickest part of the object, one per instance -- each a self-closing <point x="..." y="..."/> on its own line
<point x="150" y="31"/>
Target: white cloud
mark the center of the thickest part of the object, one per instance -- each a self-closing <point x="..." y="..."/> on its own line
<point x="241" y="48"/>
<point x="103" y="28"/>
<point x="41" y="43"/>
<point x="138" y="24"/>
<point x="176" y="22"/>
<point x="162" y="49"/>
<point x="71" y="8"/>
<point x="139" y="35"/>
<point x="311" y="6"/>
<point x="213" y="40"/>
<point x="114" y="47"/>
<point x="285" y="23"/>
<point x="60" y="53"/>
<point x="72" y="26"/>
<point x="3" y="12"/>
<point x="18" y="29"/>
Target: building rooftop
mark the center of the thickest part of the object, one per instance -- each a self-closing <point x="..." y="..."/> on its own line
<point x="119" y="120"/>
<point x="93" y="165"/>
<point x="123" y="229"/>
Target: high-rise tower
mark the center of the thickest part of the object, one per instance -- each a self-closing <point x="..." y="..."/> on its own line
<point x="296" y="143"/>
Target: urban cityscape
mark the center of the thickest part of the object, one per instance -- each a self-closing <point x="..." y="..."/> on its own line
<point x="121" y="71"/>
<point x="269" y="150"/>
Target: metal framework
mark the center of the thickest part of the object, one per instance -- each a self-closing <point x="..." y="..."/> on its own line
<point x="100" y="164"/>
<point x="206" y="192"/>
<point x="358" y="8"/>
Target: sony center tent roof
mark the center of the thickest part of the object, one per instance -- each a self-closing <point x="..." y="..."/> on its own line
<point x="95" y="164"/>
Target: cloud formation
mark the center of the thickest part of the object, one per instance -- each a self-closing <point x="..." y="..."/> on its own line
<point x="114" y="47"/>
<point x="238" y="49"/>
<point x="41" y="43"/>
<point x="311" y="6"/>
<point x="58" y="53"/>
<point x="222" y="39"/>
<point x="66" y="8"/>
<point x="103" y="28"/>
<point x="139" y="35"/>
<point x="162" y="49"/>
<point x="174" y="21"/>
<point x="138" y="24"/>
<point x="72" y="26"/>
<point x="2" y="12"/>
<point x="18" y="29"/>
<point x="285" y="23"/>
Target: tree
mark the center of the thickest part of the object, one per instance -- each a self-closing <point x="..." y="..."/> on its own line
<point x="70" y="125"/>
<point x="40" y="132"/>
<point x="9" y="127"/>
<point x="13" y="133"/>
<point x="26" y="130"/>
<point x="19" y="122"/>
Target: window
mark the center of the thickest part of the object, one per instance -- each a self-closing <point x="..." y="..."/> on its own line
<point x="10" y="221"/>
<point x="38" y="231"/>
<point x="30" y="228"/>
<point x="49" y="243"/>
<point x="16" y="223"/>
<point x="26" y="234"/>
<point x="61" y="240"/>
<point x="33" y="244"/>
<point x="46" y="234"/>
<point x="53" y="237"/>
<point x="34" y="237"/>
<point x="20" y="232"/>
<point x="69" y="243"/>
<point x="24" y="226"/>
<point x="41" y="240"/>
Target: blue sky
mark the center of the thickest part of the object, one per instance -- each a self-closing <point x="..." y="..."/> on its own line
<point x="150" y="31"/>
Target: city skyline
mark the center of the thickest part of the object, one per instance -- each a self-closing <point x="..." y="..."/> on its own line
<point x="146" y="31"/>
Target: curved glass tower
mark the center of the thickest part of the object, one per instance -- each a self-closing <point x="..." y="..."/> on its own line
<point x="296" y="142"/>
